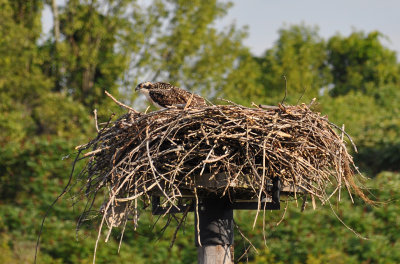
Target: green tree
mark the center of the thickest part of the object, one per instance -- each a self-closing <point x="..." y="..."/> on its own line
<point x="300" y="55"/>
<point x="112" y="45"/>
<point x="360" y="62"/>
<point x="195" y="55"/>
<point x="85" y="61"/>
<point x="21" y="80"/>
<point x="48" y="90"/>
<point x="29" y="105"/>
<point x="33" y="120"/>
<point x="362" y="76"/>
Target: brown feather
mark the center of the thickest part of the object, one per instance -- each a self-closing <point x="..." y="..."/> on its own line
<point x="162" y="85"/>
<point x="163" y="94"/>
<point x="166" y="94"/>
<point x="175" y="96"/>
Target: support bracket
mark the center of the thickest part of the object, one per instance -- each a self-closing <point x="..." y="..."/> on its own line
<point x="275" y="204"/>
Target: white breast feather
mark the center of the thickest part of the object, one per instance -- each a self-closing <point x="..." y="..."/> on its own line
<point x="146" y="93"/>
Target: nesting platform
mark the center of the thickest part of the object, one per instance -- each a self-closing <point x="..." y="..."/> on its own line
<point x="227" y="150"/>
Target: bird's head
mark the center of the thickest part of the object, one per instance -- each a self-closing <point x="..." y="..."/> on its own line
<point x="144" y="85"/>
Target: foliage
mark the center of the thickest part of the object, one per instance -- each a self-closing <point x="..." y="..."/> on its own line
<point x="21" y="79"/>
<point x="372" y="125"/>
<point x="355" y="78"/>
<point x="318" y="236"/>
<point x="360" y="62"/>
<point x="107" y="45"/>
<point x="49" y="88"/>
<point x="300" y="55"/>
<point x="86" y="56"/>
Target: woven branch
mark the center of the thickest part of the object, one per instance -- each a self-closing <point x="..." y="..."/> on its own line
<point x="225" y="150"/>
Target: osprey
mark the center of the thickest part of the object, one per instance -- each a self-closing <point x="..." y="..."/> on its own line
<point x="163" y="95"/>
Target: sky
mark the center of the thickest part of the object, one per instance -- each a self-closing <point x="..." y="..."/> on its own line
<point x="265" y="17"/>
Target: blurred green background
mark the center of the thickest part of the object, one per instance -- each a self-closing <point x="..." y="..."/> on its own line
<point x="50" y="86"/>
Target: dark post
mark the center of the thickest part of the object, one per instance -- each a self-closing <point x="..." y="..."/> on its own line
<point x="216" y="230"/>
<point x="214" y="221"/>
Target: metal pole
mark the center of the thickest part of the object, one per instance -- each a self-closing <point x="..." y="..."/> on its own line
<point x="216" y="230"/>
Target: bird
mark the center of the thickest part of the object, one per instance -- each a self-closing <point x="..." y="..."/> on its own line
<point x="165" y="95"/>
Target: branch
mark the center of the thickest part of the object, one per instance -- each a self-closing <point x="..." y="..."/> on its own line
<point x="121" y="104"/>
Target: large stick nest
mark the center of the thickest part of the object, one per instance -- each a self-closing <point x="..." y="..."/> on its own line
<point x="225" y="150"/>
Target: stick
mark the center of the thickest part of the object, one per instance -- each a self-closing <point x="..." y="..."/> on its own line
<point x="284" y="98"/>
<point x="262" y="186"/>
<point x="64" y="191"/>
<point x="121" y="104"/>
<point x="95" y="119"/>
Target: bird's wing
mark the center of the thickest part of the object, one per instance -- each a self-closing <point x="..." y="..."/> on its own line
<point x="162" y="85"/>
<point x="184" y="96"/>
<point x="175" y="96"/>
<point x="166" y="97"/>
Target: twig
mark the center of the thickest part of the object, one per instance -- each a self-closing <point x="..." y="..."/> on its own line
<point x="344" y="132"/>
<point x="302" y="94"/>
<point x="121" y="104"/>
<point x="241" y="233"/>
<point x="349" y="228"/>
<point x="232" y="103"/>
<point x="262" y="185"/>
<point x="53" y="203"/>
<point x="197" y="215"/>
<point x="284" y="98"/>
<point x="95" y="120"/>
<point x="268" y="106"/>
<point x="179" y="226"/>
<point x="284" y="213"/>
<point x="189" y="102"/>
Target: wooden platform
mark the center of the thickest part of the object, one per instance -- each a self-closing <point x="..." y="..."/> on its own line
<point x="242" y="196"/>
<point x="216" y="184"/>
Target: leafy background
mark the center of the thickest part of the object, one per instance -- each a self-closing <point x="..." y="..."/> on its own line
<point x="49" y="88"/>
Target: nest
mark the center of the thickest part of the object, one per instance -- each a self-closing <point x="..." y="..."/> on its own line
<point x="227" y="150"/>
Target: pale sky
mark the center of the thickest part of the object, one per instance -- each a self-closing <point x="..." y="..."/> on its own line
<point x="265" y="17"/>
